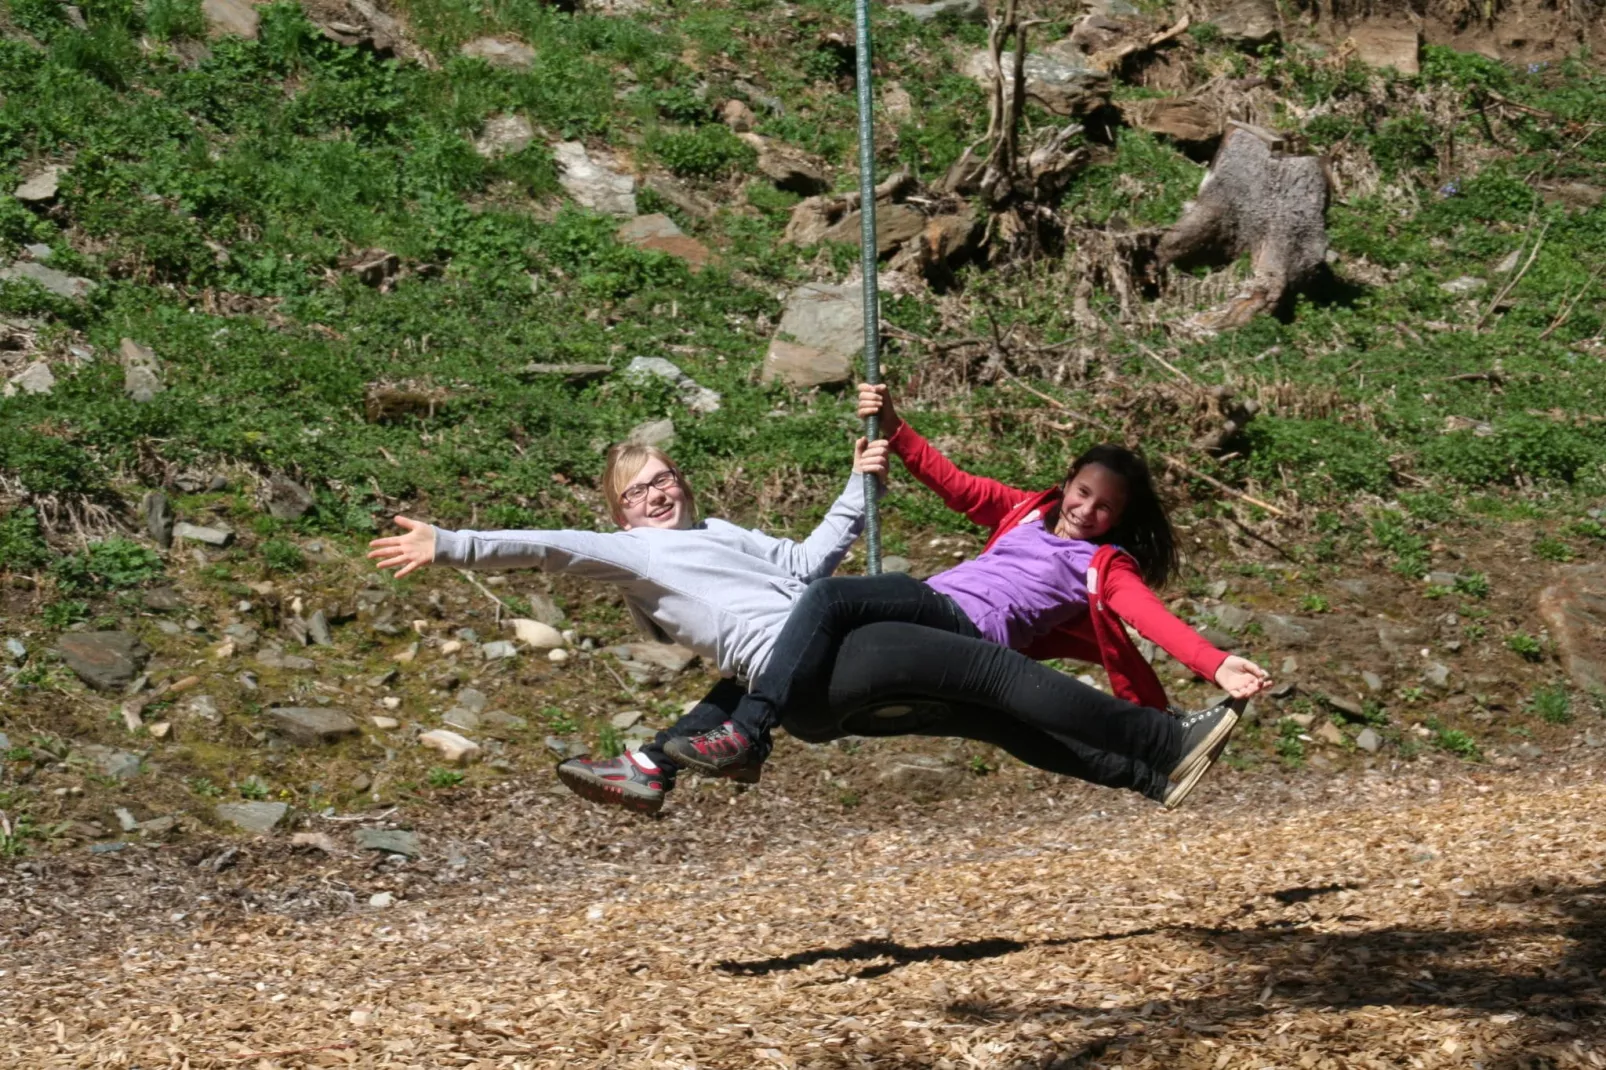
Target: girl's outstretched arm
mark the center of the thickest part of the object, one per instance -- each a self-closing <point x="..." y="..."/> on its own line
<point x="984" y="501"/>
<point x="610" y="557"/>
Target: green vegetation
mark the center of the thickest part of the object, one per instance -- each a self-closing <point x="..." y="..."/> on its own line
<point x="1552" y="704"/>
<point x="441" y="777"/>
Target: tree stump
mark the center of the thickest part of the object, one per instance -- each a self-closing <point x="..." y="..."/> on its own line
<point x="1259" y="201"/>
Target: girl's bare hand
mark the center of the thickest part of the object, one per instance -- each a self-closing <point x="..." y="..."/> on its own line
<point x="871" y="458"/>
<point x="877" y="400"/>
<point x="1240" y="677"/>
<point x="407" y="552"/>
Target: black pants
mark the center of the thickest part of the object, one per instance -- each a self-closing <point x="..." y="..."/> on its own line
<point x="799" y="669"/>
<point x="954" y="685"/>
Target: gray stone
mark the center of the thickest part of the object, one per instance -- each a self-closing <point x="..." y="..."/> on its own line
<point x="895" y="224"/>
<point x="219" y="537"/>
<point x="820" y="336"/>
<point x="500" y="52"/>
<point x="42" y="252"/>
<point x="1354" y="588"/>
<point x="626" y="719"/>
<point x="671" y="657"/>
<point x="1525" y="750"/>
<point x="318" y="629"/>
<point x="1233" y="618"/>
<point x="656" y="433"/>
<point x="1466" y="284"/>
<point x="594" y="184"/>
<point x="916" y="774"/>
<point x="563" y="748"/>
<point x="106" y="661"/>
<point x="498" y="723"/>
<point x="789" y="169"/>
<point x="1115" y="9"/>
<point x="1348" y="708"/>
<point x="42" y="187"/>
<point x="1440" y="579"/>
<point x="285" y="499"/>
<point x="163" y="599"/>
<point x="1574" y="611"/>
<point x="472" y="699"/>
<point x="125" y="819"/>
<point x="310" y="726"/>
<point x="503" y="135"/>
<point x="501" y="648"/>
<point x="458" y="717"/>
<point x="57" y="282"/>
<point x="245" y="637"/>
<point x="203" y="708"/>
<point x="142" y="378"/>
<point x="1437" y="675"/>
<point x="697" y="398"/>
<point x="390" y="841"/>
<point x="117" y="764"/>
<point x="895" y="563"/>
<point x="544" y="609"/>
<point x="16" y="651"/>
<point x="258" y="817"/>
<point x="658" y="233"/>
<point x="1372" y="680"/>
<point x="158" y="827"/>
<point x="962" y="10"/>
<point x="36" y="378"/>
<point x="1217" y="590"/>
<point x="1369" y="741"/>
<point x="158" y="516"/>
<point x="1284" y="631"/>
<point x="1218" y="638"/>
<point x="1247" y="22"/>
<point x="1064" y="83"/>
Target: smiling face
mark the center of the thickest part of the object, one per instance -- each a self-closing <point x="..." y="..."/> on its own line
<point x="655" y="498"/>
<point x="1094" y="500"/>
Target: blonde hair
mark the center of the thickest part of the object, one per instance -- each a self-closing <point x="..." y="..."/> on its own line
<point x="624" y="462"/>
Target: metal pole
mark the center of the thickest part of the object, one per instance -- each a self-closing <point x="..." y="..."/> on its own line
<point x="867" y="262"/>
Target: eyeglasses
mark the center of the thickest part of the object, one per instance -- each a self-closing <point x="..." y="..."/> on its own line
<point x="636" y="493"/>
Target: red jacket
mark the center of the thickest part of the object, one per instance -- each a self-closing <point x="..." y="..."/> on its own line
<point x="1115" y="587"/>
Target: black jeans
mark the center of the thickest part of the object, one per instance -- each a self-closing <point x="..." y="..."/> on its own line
<point x="799" y="669"/>
<point x="955" y="685"/>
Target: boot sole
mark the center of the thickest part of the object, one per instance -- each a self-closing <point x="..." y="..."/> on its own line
<point x="1207" y="750"/>
<point x="606" y="792"/>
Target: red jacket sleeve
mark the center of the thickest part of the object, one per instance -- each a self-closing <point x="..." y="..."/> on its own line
<point x="1130" y="598"/>
<point x="985" y="501"/>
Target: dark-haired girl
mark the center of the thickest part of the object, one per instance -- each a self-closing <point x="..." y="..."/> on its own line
<point x="1064" y="570"/>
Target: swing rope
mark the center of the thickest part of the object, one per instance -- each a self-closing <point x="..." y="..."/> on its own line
<point x="867" y="263"/>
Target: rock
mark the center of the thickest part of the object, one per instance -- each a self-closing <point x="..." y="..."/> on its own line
<point x="1354" y="588"/>
<point x="959" y="10"/>
<point x="17" y="653"/>
<point x="117" y="764"/>
<point x="471" y="698"/>
<point x="458" y="717"/>
<point x="203" y="708"/>
<point x="1437" y="676"/>
<point x="820" y="336"/>
<point x="1063" y="84"/>
<point x="895" y="224"/>
<point x="390" y="841"/>
<point x="896" y="103"/>
<point x="1181" y="120"/>
<point x="562" y="747"/>
<point x="503" y="135"/>
<point x="287" y="500"/>
<point x="125" y="819"/>
<point x="1330" y="734"/>
<point x="230" y="18"/>
<point x="498" y="723"/>
<point x="1466" y="284"/>
<point x="1284" y="631"/>
<point x="1575" y="196"/>
<point x="1378" y="45"/>
<point x="1231" y="617"/>
<point x="1574" y="610"/>
<point x="57" y="282"/>
<point x="916" y="774"/>
<point x="219" y="537"/>
<point x="498" y="650"/>
<point x="532" y="633"/>
<point x="1372" y="680"/>
<point x="106" y="661"/>
<point x="311" y="726"/>
<point x="544" y="609"/>
<point x="1247" y="22"/>
<point x="1348" y="707"/>
<point x="244" y="636"/>
<point x="258" y="817"/>
<point x="626" y="719"/>
<point x="41" y="188"/>
<point x="36" y="378"/>
<point x="455" y="749"/>
<point x="318" y="841"/>
<point x="697" y="398"/>
<point x="1525" y="750"/>
<point x="788" y="168"/>
<point x="671" y="657"/>
<point x="318" y="629"/>
<point x="594" y="184"/>
<point x="375" y="270"/>
<point x="1218" y="638"/>
<point x="658" y="233"/>
<point x="381" y="900"/>
<point x="158" y="516"/>
<point x="503" y="52"/>
<point x="1303" y="720"/>
<point x="738" y="116"/>
<point x="385" y="724"/>
<point x="1369" y="741"/>
<point x="158" y="827"/>
<point x="657" y="433"/>
<point x="557" y="656"/>
<point x="1441" y="579"/>
<point x="895" y="563"/>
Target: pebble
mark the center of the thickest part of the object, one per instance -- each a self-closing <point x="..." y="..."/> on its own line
<point x="386" y="723"/>
<point x="381" y="900"/>
<point x="451" y="646"/>
<point x="559" y="655"/>
<point x="390" y="702"/>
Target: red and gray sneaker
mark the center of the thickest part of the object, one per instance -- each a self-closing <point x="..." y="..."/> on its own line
<point x="631" y="780"/>
<point x="715" y="753"/>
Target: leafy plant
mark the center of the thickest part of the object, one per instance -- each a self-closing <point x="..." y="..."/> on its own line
<point x="609" y="745"/>
<point x="1314" y="603"/>
<point x="440" y="777"/>
<point x="1455" y="741"/>
<point x="1473" y="585"/>
<point x="22" y="547"/>
<point x="115" y="562"/>
<point x="1552" y="704"/>
<point x="64" y="613"/>
<point x="282" y="555"/>
<point x="704" y="150"/>
<point x="1290" y="748"/>
<point x="253" y="788"/>
<point x="1525" y="646"/>
<point x="204" y="787"/>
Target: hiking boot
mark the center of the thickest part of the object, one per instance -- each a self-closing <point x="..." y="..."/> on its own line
<point x="714" y="753"/>
<point x="745" y="774"/>
<point x="631" y="780"/>
<point x="1204" y="735"/>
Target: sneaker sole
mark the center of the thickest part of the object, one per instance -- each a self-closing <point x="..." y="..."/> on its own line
<point x="700" y="765"/>
<point x="606" y="792"/>
<point x="1206" y="751"/>
<point x="1180" y="789"/>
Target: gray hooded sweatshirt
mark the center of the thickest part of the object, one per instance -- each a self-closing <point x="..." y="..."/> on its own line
<point x="721" y="590"/>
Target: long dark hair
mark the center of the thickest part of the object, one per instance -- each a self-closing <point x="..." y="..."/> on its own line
<point x="1144" y="530"/>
